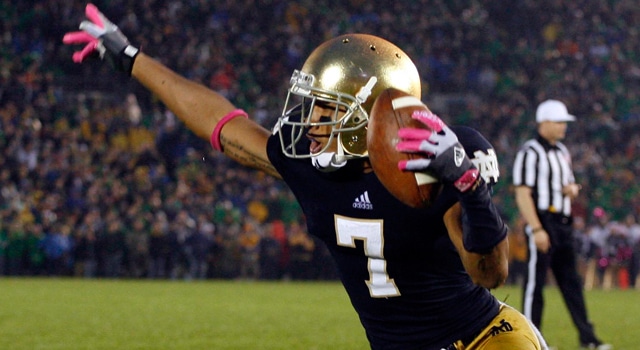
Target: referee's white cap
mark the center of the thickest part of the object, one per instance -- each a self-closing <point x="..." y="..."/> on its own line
<point x="553" y="111"/>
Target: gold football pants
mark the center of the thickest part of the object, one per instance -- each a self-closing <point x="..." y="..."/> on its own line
<point x="509" y="330"/>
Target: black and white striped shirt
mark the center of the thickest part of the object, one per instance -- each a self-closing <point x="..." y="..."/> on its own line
<point x="546" y="169"/>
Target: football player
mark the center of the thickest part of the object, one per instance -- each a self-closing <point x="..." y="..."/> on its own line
<point x="418" y="278"/>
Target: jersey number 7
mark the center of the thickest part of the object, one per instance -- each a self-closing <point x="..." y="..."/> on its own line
<point x="348" y="230"/>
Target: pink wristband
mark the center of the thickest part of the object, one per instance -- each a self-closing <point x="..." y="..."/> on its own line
<point x="215" y="135"/>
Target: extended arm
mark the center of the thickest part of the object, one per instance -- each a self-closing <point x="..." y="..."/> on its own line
<point x="202" y="110"/>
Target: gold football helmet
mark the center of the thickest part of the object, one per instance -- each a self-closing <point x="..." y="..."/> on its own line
<point x="347" y="73"/>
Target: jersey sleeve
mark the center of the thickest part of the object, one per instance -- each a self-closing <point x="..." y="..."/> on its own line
<point x="481" y="153"/>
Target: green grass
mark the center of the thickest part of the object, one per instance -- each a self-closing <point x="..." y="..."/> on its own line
<point x="615" y="315"/>
<point x="120" y="314"/>
<point x="125" y="314"/>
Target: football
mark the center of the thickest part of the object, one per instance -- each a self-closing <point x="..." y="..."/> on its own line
<point x="391" y="111"/>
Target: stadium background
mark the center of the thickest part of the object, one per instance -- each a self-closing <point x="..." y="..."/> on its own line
<point x="83" y="150"/>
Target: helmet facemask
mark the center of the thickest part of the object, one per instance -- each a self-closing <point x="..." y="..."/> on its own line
<point x="347" y="123"/>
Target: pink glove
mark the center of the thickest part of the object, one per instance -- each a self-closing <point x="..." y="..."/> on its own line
<point x="103" y="37"/>
<point x="82" y="37"/>
<point x="444" y="155"/>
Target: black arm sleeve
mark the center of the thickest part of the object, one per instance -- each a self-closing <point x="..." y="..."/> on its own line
<point x="482" y="225"/>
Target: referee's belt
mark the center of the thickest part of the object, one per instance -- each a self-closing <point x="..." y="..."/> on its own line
<point x="552" y="209"/>
<point x="555" y="216"/>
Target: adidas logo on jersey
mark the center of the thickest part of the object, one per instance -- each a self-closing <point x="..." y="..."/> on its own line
<point x="363" y="202"/>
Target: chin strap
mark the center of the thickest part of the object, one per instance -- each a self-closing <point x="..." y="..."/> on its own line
<point x="328" y="161"/>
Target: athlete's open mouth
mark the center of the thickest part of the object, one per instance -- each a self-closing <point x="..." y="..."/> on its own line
<point x="315" y="146"/>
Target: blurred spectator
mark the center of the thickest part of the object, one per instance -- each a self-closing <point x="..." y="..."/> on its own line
<point x="618" y="256"/>
<point x="598" y="233"/>
<point x="226" y="262"/>
<point x="181" y="227"/>
<point x="587" y="252"/>
<point x="15" y="249"/>
<point x="84" y="253"/>
<point x="633" y="228"/>
<point x="111" y="247"/>
<point x="158" y="246"/>
<point x="56" y="246"/>
<point x="85" y="244"/>
<point x="137" y="245"/>
<point x="301" y="250"/>
<point x="3" y="247"/>
<point x="35" y="263"/>
<point x="273" y="251"/>
<point x="198" y="248"/>
<point x="249" y="244"/>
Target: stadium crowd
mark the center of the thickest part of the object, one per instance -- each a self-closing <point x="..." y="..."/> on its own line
<point x="97" y="178"/>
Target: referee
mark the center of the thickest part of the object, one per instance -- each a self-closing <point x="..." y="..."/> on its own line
<point x="544" y="187"/>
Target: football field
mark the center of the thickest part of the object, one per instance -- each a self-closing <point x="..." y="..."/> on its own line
<point x="139" y="314"/>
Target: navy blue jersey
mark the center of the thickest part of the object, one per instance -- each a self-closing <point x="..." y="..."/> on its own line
<point x="397" y="264"/>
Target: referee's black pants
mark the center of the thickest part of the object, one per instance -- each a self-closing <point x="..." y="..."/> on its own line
<point x="561" y="259"/>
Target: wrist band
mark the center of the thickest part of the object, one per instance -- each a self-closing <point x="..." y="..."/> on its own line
<point x="215" y="135"/>
<point x="468" y="180"/>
